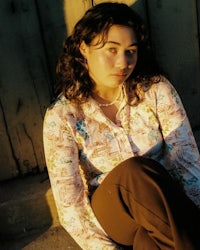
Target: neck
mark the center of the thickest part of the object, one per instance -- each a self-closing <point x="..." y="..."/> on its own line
<point x="107" y="94"/>
<point x="108" y="97"/>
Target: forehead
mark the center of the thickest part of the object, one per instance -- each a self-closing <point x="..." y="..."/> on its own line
<point x="122" y="35"/>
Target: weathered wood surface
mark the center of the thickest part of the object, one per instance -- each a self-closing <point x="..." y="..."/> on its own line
<point x="174" y="31"/>
<point x="31" y="35"/>
<point x="74" y="10"/>
<point x="24" y="84"/>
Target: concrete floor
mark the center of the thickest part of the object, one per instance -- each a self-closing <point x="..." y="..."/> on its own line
<point x="28" y="216"/>
<point x="54" y="238"/>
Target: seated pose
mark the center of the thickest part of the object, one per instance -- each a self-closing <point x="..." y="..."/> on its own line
<point x="122" y="160"/>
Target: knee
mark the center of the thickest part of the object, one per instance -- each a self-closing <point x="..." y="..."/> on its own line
<point x="141" y="166"/>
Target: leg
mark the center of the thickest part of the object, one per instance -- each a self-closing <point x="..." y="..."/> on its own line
<point x="138" y="204"/>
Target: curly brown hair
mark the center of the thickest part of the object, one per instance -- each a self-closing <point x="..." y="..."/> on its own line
<point x="72" y="74"/>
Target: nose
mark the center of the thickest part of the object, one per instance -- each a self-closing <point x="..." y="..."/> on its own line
<point x="122" y="61"/>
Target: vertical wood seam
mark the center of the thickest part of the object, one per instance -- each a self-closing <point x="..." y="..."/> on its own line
<point x="10" y="141"/>
<point x="44" y="46"/>
<point x="148" y="23"/>
<point x="198" y="21"/>
<point x="31" y="141"/>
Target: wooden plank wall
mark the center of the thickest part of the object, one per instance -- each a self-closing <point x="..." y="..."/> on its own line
<point x="174" y="31"/>
<point x="31" y="35"/>
<point x="30" y="32"/>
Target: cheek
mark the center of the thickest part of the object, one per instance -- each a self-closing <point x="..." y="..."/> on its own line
<point x="100" y="62"/>
<point x="133" y="62"/>
<point x="104" y="60"/>
<point x="96" y="67"/>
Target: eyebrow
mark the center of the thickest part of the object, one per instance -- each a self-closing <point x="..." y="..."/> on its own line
<point x="113" y="42"/>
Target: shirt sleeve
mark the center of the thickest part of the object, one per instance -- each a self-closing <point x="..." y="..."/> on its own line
<point x="73" y="205"/>
<point x="182" y="158"/>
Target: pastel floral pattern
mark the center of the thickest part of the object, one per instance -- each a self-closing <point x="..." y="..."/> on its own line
<point x="80" y="126"/>
<point x="81" y="152"/>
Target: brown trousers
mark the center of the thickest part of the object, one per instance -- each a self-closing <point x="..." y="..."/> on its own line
<point x="139" y="205"/>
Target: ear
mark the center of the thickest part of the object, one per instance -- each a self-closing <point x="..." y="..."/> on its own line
<point x="83" y="49"/>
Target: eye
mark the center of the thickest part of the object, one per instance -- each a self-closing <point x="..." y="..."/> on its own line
<point x="131" y="52"/>
<point x="112" y="50"/>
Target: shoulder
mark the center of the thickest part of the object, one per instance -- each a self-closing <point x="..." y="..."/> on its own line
<point x="162" y="88"/>
<point x="163" y="84"/>
<point x="165" y="98"/>
<point x="59" y="103"/>
<point x="62" y="108"/>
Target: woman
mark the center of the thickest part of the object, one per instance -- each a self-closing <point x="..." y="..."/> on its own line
<point x="121" y="157"/>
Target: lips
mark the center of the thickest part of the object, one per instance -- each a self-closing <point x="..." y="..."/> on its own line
<point x="120" y="74"/>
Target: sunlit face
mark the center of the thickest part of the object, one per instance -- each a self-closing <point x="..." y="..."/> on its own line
<point x="110" y="65"/>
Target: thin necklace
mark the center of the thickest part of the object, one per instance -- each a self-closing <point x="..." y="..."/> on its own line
<point x="111" y="103"/>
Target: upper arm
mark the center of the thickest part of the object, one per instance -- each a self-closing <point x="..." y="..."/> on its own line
<point x="61" y="154"/>
<point x="180" y="152"/>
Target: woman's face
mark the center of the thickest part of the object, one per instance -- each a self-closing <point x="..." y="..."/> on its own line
<point x="111" y="64"/>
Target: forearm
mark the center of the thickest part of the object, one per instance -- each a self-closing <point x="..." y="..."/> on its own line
<point x="84" y="229"/>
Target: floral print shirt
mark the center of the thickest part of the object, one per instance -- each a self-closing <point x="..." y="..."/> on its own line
<point x="82" y="146"/>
